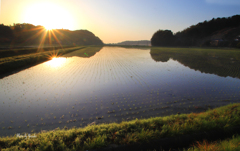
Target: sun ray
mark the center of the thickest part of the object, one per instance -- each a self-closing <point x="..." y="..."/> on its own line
<point x="49" y="37"/>
<point x="36" y="28"/>
<point x="36" y="35"/>
<point x="55" y="37"/>
<point x="43" y="40"/>
<point x="65" y="36"/>
<point x="54" y="54"/>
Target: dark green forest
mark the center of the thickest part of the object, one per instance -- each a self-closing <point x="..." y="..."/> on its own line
<point x="220" y="32"/>
<point x="28" y="34"/>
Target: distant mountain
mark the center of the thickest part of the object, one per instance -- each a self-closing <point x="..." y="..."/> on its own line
<point x="136" y="43"/>
<point x="28" y="34"/>
<point x="218" y="32"/>
<point x="79" y="37"/>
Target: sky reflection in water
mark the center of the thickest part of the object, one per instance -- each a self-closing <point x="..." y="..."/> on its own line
<point x="115" y="83"/>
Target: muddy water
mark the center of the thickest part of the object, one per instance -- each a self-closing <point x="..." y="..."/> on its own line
<point x="113" y="85"/>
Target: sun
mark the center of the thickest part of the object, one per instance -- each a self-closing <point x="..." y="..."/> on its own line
<point x="48" y="27"/>
<point x="49" y="15"/>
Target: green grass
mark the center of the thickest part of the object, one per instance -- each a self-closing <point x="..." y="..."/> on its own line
<point x="86" y="52"/>
<point x="9" y="64"/>
<point x="232" y="144"/>
<point x="224" y="53"/>
<point x="23" y="51"/>
<point x="136" y="131"/>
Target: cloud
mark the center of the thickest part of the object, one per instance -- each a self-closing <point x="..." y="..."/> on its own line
<point x="224" y="2"/>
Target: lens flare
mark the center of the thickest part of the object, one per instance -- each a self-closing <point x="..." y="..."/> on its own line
<point x="56" y="62"/>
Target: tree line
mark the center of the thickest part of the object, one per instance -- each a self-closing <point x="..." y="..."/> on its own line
<point x="215" y="32"/>
<point x="28" y="34"/>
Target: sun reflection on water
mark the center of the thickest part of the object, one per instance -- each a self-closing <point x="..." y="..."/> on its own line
<point x="56" y="62"/>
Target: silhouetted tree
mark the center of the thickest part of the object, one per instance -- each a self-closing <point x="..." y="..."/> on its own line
<point x="6" y="34"/>
<point x="201" y="33"/>
<point x="162" y="38"/>
<point x="28" y="34"/>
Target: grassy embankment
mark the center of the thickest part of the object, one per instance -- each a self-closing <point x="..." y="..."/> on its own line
<point x="224" y="53"/>
<point x="222" y="62"/>
<point x="85" y="52"/>
<point x="132" y="132"/>
<point x="16" y="59"/>
<point x="232" y="144"/>
<point x="15" y="51"/>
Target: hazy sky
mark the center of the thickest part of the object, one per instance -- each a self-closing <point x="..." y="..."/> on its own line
<point x="116" y="20"/>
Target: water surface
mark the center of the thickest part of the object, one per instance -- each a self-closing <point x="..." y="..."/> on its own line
<point x="109" y="85"/>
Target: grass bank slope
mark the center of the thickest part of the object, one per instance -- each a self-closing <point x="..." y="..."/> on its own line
<point x="127" y="133"/>
<point x="222" y="62"/>
<point x="232" y="144"/>
<point x="17" y="62"/>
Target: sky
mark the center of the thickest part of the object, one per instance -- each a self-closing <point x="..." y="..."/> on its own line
<point x="116" y="20"/>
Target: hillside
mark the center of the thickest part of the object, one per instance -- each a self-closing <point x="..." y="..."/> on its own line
<point x="135" y="43"/>
<point x="218" y="32"/>
<point x="27" y="34"/>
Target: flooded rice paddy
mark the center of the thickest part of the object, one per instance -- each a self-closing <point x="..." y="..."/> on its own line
<point x="111" y="85"/>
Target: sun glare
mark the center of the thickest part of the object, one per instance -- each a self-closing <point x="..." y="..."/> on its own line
<point x="49" y="15"/>
<point x="48" y="27"/>
<point x="56" y="62"/>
